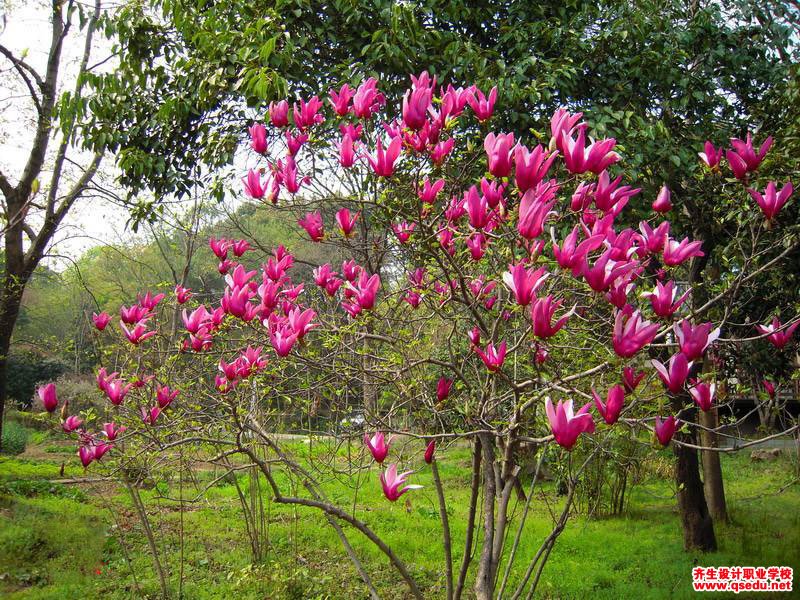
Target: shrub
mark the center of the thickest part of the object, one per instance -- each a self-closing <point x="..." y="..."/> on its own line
<point x="15" y="438"/>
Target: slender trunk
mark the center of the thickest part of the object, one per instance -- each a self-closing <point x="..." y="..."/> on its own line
<point x="448" y="553"/>
<point x="698" y="526"/>
<point x="712" y="469"/>
<point x="484" y="579"/>
<point x="473" y="502"/>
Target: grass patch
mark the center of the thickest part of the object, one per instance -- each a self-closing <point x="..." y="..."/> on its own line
<point x="53" y="545"/>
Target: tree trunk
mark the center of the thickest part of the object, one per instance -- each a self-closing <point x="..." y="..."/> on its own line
<point x="712" y="469"/>
<point x="698" y="526"/>
<point x="15" y="277"/>
<point x="485" y="577"/>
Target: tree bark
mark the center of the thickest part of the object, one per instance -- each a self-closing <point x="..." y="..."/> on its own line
<point x="485" y="577"/>
<point x="712" y="469"/>
<point x="698" y="526"/>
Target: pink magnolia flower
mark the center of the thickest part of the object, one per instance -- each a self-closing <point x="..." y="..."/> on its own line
<point x="341" y="100"/>
<point x="254" y="185"/>
<point x="631" y="332"/>
<point x="534" y="208"/>
<point x="351" y="270"/>
<point x="631" y="379"/>
<point x="116" y="389"/>
<point x="103" y="378"/>
<point x="542" y="312"/>
<point x="595" y="157"/>
<point x="615" y="400"/>
<point x="289" y="176"/>
<point x="443" y="388"/>
<point x="283" y="338"/>
<point x="138" y="334"/>
<point x="442" y="150"/>
<point x="165" y="396"/>
<point x="663" y="299"/>
<point x="493" y="357"/>
<point x="482" y="106"/>
<point x="239" y="247"/>
<point x="403" y="231"/>
<point x="364" y="292"/>
<point x="524" y="283"/>
<point x="474" y="335"/>
<point x="676" y="253"/>
<point x="100" y="321"/>
<point x="312" y="223"/>
<point x="415" y="107"/>
<point x="382" y="162"/>
<point x="391" y="482"/>
<point x="703" y="394"/>
<point x="654" y="239"/>
<point x="346" y="222"/>
<point x="47" y="394"/>
<point x="306" y="114"/>
<point x="300" y="321"/>
<point x="777" y="335"/>
<point x="617" y="293"/>
<point x="693" y="340"/>
<point x="493" y="192"/>
<point x="112" y="431"/>
<point x="219" y="247"/>
<point x="367" y="100"/>
<point x="675" y="376"/>
<point x="347" y="154"/>
<point x="429" y="450"/>
<point x="566" y="425"/>
<point x="134" y="314"/>
<point x="608" y="196"/>
<point x="562" y="122"/>
<point x="417" y="277"/>
<point x="279" y="113"/>
<point x="182" y="294"/>
<point x="413" y="298"/>
<point x="744" y="158"/>
<point x="571" y="254"/>
<point x="354" y="131"/>
<point x="498" y="150"/>
<point x="100" y="449"/>
<point x="476" y="244"/>
<point x="86" y="454"/>
<point x="477" y="208"/>
<point x="531" y="167"/>
<point x="258" y="138"/>
<point x="294" y="142"/>
<point x="666" y="429"/>
<point x="378" y="446"/>
<point x="711" y="156"/>
<point x="149" y="416"/>
<point x="149" y="300"/>
<point x="604" y="272"/>
<point x="71" y="423"/>
<point x="771" y="201"/>
<point x="662" y="202"/>
<point x="769" y="387"/>
<point x="428" y="192"/>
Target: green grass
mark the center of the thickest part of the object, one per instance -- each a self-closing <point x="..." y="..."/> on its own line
<point x="54" y="546"/>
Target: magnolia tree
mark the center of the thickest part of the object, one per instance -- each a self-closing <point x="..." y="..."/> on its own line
<point x="481" y="291"/>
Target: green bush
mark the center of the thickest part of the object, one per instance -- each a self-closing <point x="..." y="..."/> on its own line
<point x="15" y="438"/>
<point x="26" y="371"/>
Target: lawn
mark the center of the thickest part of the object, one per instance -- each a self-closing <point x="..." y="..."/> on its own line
<point x="62" y="541"/>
